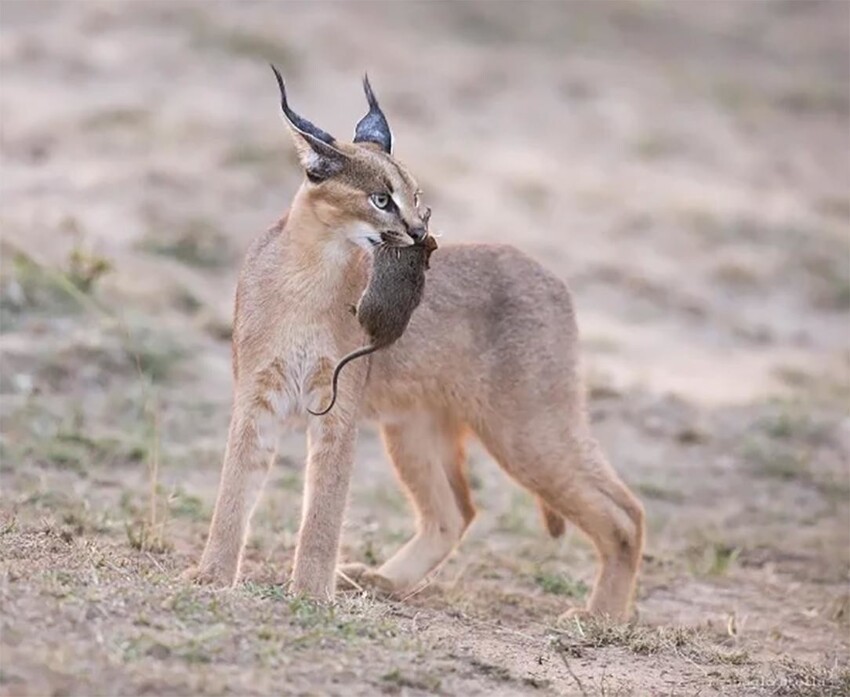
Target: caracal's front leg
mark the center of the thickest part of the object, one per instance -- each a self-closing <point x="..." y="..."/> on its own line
<point x="246" y="465"/>
<point x="330" y="460"/>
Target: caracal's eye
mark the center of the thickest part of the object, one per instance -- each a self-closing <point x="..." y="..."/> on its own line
<point x="380" y="201"/>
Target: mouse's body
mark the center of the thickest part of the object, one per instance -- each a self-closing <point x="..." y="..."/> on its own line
<point x="395" y="290"/>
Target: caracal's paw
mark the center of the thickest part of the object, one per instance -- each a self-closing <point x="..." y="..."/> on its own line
<point x="313" y="585"/>
<point x="208" y="576"/>
<point x="362" y="577"/>
<point x="576" y="614"/>
<point x="584" y="614"/>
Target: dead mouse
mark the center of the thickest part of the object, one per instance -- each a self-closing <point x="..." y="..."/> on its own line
<point x="395" y="290"/>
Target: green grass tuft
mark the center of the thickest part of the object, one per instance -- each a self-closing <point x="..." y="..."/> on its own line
<point x="559" y="584"/>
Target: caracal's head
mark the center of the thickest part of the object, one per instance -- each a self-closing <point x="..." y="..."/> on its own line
<point x="358" y="189"/>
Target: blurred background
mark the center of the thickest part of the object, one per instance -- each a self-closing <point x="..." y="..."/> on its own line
<point x="684" y="166"/>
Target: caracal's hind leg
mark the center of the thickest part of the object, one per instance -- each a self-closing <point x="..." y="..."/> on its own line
<point x="569" y="472"/>
<point x="428" y="454"/>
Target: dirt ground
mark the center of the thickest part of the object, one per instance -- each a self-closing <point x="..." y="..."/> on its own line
<point x="684" y="166"/>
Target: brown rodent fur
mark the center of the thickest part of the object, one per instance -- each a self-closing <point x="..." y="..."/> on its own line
<point x="395" y="290"/>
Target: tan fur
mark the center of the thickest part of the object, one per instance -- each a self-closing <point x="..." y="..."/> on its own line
<point x="492" y="351"/>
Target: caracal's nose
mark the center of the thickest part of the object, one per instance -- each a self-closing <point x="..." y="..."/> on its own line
<point x="418" y="233"/>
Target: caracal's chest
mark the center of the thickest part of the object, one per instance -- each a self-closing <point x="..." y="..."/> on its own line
<point x="292" y="377"/>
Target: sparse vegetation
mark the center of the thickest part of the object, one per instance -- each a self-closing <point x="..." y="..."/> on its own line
<point x="520" y="516"/>
<point x="184" y="505"/>
<point x="148" y="537"/>
<point x="694" y="643"/>
<point x="712" y="558"/>
<point x="560" y="584"/>
<point x="68" y="442"/>
<point x="29" y="288"/>
<point x="85" y="268"/>
<point x="155" y="356"/>
<point x="790" y="678"/>
<point x="636" y="151"/>
<point x="785" y="444"/>
<point x="196" y="242"/>
<point x="396" y="681"/>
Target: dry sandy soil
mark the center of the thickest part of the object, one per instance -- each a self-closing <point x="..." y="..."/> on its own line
<point x="684" y="166"/>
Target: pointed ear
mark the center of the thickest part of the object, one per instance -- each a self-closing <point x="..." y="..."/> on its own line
<point x="373" y="128"/>
<point x="316" y="148"/>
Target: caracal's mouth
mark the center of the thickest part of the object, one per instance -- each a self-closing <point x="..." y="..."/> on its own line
<point x="396" y="239"/>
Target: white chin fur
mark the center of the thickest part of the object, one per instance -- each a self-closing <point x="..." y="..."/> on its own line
<point x="368" y="243"/>
<point x="363" y="235"/>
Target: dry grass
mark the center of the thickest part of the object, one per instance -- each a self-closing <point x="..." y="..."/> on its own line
<point x="706" y="261"/>
<point x="691" y="643"/>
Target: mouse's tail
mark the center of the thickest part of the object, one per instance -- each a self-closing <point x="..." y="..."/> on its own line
<point x="365" y="351"/>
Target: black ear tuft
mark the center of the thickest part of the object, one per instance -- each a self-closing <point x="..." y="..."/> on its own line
<point x="299" y="122"/>
<point x="373" y="128"/>
<point x="317" y="150"/>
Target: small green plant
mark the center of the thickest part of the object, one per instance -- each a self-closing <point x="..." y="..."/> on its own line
<point x="559" y="584"/>
<point x="148" y="537"/>
<point x="147" y="531"/>
<point x="184" y="505"/>
<point x="265" y="592"/>
<point x="709" y="558"/>
<point x="85" y="269"/>
<point x="369" y="554"/>
<point x="720" y="558"/>
<point x="27" y="287"/>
